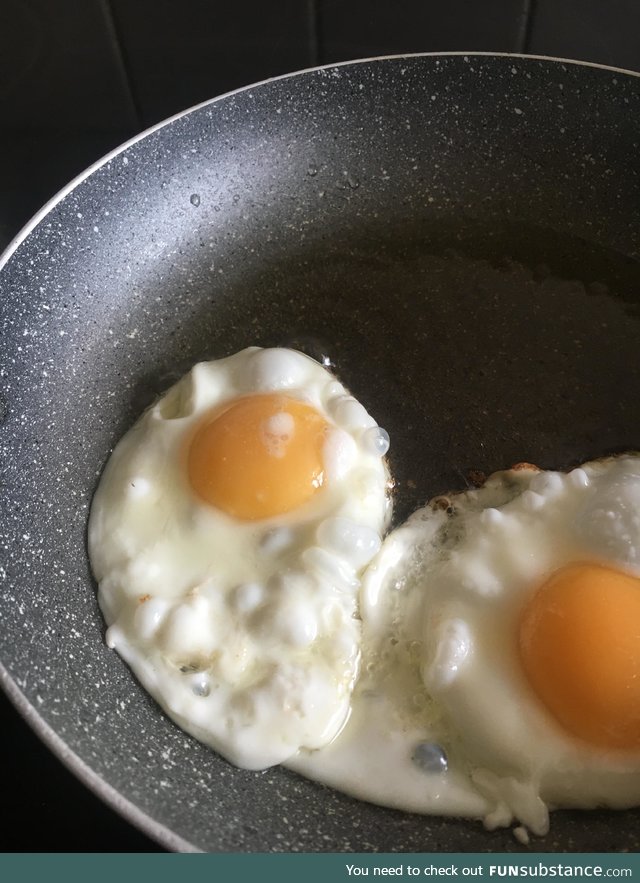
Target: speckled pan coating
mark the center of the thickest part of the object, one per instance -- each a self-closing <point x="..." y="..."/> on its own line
<point x="459" y="234"/>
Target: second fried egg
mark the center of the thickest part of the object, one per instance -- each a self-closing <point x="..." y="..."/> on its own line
<point x="501" y="655"/>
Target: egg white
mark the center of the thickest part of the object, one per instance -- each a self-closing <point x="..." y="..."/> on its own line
<point x="441" y="684"/>
<point x="245" y="632"/>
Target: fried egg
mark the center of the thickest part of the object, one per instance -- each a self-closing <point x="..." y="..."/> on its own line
<point x="501" y="653"/>
<point x="228" y="535"/>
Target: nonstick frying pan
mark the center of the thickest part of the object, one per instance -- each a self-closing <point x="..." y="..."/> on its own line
<point x="458" y="234"/>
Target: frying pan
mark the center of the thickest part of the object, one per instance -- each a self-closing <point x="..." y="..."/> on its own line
<point x="458" y="234"/>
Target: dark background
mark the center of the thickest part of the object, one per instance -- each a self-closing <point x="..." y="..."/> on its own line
<point x="78" y="77"/>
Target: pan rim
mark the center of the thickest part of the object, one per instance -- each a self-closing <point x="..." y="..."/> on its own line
<point x="140" y="819"/>
<point x="85" y="774"/>
<point x="78" y="179"/>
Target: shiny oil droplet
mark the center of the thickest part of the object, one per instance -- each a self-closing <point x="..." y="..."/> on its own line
<point x="429" y="757"/>
<point x="314" y="347"/>
<point x="201" y="688"/>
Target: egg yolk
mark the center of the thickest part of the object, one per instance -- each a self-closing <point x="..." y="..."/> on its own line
<point x="579" y="641"/>
<point x="258" y="457"/>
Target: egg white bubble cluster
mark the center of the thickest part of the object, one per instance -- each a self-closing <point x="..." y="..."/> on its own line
<point x="246" y="632"/>
<point x="444" y="720"/>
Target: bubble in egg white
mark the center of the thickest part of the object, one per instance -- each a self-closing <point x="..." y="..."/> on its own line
<point x="341" y="453"/>
<point x="579" y="478"/>
<point x="341" y="574"/>
<point x="532" y="500"/>
<point x="546" y="484"/>
<point x="189" y="631"/>
<point x="452" y="646"/>
<point x="149" y="616"/>
<point x="200" y="684"/>
<point x="610" y="520"/>
<point x="350" y="414"/>
<point x="277" y="540"/>
<point x="491" y="517"/>
<point x="376" y="440"/>
<point x="248" y="597"/>
<point x="294" y="624"/>
<point x="346" y="538"/>
<point x="274" y="369"/>
<point x="430" y="757"/>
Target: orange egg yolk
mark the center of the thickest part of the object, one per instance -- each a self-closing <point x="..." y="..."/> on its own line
<point x="579" y="642"/>
<point x="259" y="456"/>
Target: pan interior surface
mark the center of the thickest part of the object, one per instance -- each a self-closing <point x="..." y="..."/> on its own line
<point x="457" y="234"/>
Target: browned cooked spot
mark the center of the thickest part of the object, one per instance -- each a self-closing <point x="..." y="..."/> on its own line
<point x="476" y="477"/>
